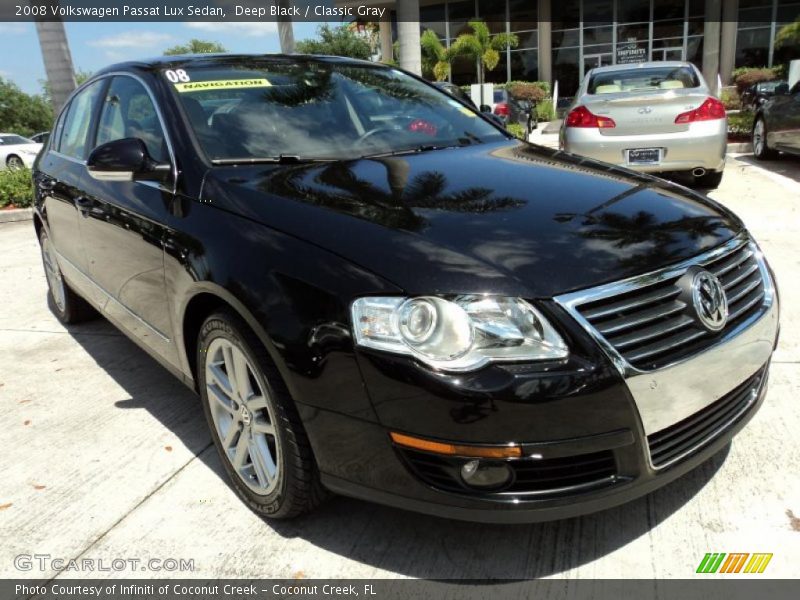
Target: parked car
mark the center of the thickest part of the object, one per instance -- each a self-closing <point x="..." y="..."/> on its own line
<point x="17" y="152"/>
<point x="511" y="110"/>
<point x="777" y="124"/>
<point x="41" y="137"/>
<point x="657" y="117"/>
<point x="456" y="91"/>
<point x="758" y="93"/>
<point x="406" y="304"/>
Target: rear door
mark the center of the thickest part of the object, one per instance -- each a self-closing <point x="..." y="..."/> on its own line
<point x="786" y="120"/>
<point x="58" y="180"/>
<point x="125" y="230"/>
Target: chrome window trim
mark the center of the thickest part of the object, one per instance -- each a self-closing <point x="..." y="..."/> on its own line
<point x="671" y="393"/>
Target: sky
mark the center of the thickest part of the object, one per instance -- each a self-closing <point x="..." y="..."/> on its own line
<point x="96" y="45"/>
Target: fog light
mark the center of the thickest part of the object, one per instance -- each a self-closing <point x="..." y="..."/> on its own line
<point x="485" y="475"/>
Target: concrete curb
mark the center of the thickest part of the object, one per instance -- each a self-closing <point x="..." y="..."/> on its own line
<point x="742" y="147"/>
<point x="16" y="214"/>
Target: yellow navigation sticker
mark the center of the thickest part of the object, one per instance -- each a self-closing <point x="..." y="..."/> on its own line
<point x="223" y="84"/>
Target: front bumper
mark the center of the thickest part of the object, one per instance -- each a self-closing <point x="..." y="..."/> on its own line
<point x="592" y="433"/>
<point x="703" y="146"/>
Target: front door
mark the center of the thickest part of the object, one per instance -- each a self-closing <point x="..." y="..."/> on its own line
<point x="124" y="230"/>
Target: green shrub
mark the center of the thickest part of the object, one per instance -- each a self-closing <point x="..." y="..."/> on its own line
<point x="516" y="130"/>
<point x="526" y="91"/>
<point x="740" y="124"/>
<point x="16" y="188"/>
<point x="744" y="77"/>
<point x="730" y="98"/>
<point x="544" y="110"/>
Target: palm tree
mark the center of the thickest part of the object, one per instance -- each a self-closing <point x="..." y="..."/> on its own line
<point x="57" y="61"/>
<point x="483" y="47"/>
<point x="436" y="57"/>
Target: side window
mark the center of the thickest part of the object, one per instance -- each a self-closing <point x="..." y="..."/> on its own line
<point x="77" y="122"/>
<point x="127" y="112"/>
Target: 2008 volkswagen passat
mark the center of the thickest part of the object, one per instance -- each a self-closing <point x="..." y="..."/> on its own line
<point x="377" y="292"/>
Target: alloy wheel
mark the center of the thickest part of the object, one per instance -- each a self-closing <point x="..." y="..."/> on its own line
<point x="242" y="415"/>
<point x="758" y="137"/>
<point x="53" y="273"/>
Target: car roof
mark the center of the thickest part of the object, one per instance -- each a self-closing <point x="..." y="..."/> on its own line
<point x="644" y="65"/>
<point x="206" y="60"/>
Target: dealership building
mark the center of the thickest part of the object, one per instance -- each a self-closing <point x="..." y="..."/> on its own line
<point x="560" y="40"/>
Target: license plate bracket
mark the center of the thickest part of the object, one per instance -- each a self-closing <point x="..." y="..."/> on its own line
<point x="643" y="156"/>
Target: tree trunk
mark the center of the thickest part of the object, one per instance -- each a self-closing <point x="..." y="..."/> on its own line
<point x="285" y="30"/>
<point x="481" y="77"/>
<point x="57" y="61"/>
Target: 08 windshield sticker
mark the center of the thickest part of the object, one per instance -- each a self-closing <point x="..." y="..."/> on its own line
<point x="183" y="82"/>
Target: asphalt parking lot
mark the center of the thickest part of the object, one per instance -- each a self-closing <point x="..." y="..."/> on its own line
<point x="104" y="455"/>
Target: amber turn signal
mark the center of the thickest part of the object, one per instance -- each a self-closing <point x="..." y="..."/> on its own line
<point x="408" y="441"/>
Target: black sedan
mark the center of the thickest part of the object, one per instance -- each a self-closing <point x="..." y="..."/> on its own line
<point x="758" y="93"/>
<point x="777" y="124"/>
<point x="378" y="292"/>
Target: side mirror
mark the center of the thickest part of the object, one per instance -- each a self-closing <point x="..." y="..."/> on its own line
<point x="782" y="89"/>
<point x="485" y="108"/>
<point x="125" y="160"/>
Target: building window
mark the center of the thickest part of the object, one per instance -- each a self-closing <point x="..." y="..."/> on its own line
<point x="759" y="24"/>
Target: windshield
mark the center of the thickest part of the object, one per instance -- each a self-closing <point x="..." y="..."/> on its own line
<point x="643" y="79"/>
<point x="15" y="139"/>
<point x="316" y="110"/>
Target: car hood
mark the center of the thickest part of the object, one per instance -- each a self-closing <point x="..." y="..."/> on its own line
<point x="505" y="218"/>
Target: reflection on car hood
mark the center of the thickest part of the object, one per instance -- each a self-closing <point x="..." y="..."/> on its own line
<point x="506" y="218"/>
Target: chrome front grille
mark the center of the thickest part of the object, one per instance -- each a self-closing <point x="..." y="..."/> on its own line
<point x="650" y="326"/>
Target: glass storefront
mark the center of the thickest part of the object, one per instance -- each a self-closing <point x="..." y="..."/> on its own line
<point x="591" y="33"/>
<point x="759" y="24"/>
<point x="595" y="33"/>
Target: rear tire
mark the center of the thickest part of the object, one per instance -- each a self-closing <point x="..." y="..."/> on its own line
<point x="710" y="180"/>
<point x="64" y="303"/>
<point x="761" y="149"/>
<point x="254" y="422"/>
<point x="14" y="163"/>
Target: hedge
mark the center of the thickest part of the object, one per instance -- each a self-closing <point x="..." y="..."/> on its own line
<point x="744" y="77"/>
<point x="16" y="188"/>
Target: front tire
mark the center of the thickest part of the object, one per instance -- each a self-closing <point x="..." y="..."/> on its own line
<point x="253" y="421"/>
<point x="64" y="303"/>
<point x="761" y="149"/>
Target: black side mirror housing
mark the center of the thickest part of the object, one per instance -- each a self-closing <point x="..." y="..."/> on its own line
<point x="485" y="108"/>
<point x="125" y="160"/>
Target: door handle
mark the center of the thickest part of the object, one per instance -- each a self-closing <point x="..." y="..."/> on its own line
<point x="84" y="205"/>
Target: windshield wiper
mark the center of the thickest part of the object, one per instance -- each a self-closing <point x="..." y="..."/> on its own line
<point x="414" y="150"/>
<point x="281" y="159"/>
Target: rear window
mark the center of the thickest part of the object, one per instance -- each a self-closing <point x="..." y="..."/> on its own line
<point x="499" y="95"/>
<point x="643" y="80"/>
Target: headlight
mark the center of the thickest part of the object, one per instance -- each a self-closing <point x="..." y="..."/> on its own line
<point x="456" y="335"/>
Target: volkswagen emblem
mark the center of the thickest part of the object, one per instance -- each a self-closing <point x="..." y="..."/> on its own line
<point x="710" y="302"/>
<point x="645" y="110"/>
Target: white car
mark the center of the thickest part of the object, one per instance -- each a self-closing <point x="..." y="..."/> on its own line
<point x="16" y="151"/>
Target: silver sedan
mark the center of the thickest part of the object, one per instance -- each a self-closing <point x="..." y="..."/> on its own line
<point x="654" y="117"/>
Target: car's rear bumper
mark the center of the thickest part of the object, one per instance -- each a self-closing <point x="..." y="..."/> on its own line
<point x="703" y="146"/>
